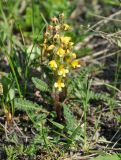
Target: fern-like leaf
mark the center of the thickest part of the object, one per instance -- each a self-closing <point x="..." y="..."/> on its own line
<point x="26" y="105"/>
<point x="79" y="92"/>
<point x="69" y="117"/>
<point x="41" y="85"/>
<point x="108" y="157"/>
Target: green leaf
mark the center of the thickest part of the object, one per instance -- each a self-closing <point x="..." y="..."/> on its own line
<point x="33" y="52"/>
<point x="8" y="88"/>
<point x="108" y="157"/>
<point x="58" y="125"/>
<point x="69" y="117"/>
<point x="41" y="85"/>
<point x="26" y="105"/>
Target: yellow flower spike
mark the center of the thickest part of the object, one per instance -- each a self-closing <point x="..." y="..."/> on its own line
<point x="61" y="52"/>
<point x="53" y="64"/>
<point x="51" y="47"/>
<point x="75" y="64"/>
<point x="62" y="71"/>
<point x="59" y="85"/>
<point x="65" y="40"/>
<point x="66" y="27"/>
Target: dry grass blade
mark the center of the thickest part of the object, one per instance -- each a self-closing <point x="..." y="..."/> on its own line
<point x="1" y="89"/>
<point x="104" y="21"/>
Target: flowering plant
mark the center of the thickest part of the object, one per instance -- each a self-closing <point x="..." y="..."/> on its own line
<point x="57" y="49"/>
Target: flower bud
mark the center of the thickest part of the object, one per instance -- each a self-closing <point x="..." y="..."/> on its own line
<point x="51" y="47"/>
<point x="50" y="27"/>
<point x="61" y="16"/>
<point x="54" y="20"/>
<point x="46" y="34"/>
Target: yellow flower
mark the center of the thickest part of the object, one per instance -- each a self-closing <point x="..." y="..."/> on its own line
<point x="67" y="51"/>
<point x="75" y="64"/>
<point x="68" y="60"/>
<point x="61" y="52"/>
<point x="65" y="40"/>
<point x="73" y="55"/>
<point x="57" y="27"/>
<point x="51" y="47"/>
<point x="59" y="85"/>
<point x="62" y="71"/>
<point x="71" y="43"/>
<point x="56" y="37"/>
<point x="53" y="64"/>
<point x="66" y="27"/>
